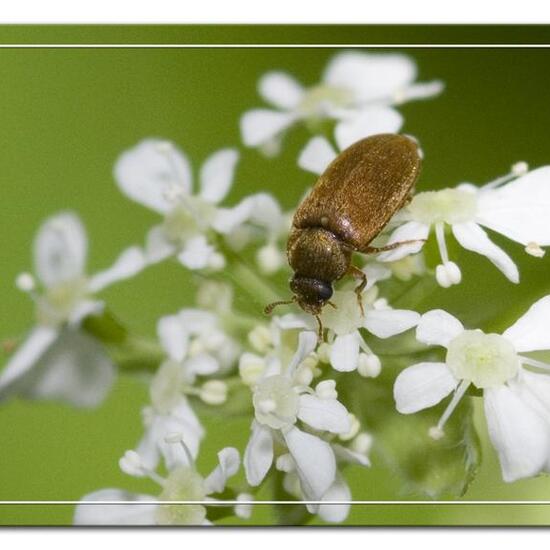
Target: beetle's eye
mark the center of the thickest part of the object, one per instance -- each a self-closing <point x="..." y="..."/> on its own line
<point x="324" y="290"/>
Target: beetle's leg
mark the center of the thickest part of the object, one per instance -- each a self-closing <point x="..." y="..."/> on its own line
<point x="269" y="308"/>
<point x="358" y="274"/>
<point x="393" y="246"/>
<point x="320" y="330"/>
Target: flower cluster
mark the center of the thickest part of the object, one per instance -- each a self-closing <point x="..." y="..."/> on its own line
<point x="301" y="397"/>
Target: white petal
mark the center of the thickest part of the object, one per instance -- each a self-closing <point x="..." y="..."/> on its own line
<point x="291" y="321"/>
<point x="150" y="172"/>
<point x="229" y="462"/>
<point x="344" y="352"/>
<point x="368" y="122"/>
<point x="438" y="328"/>
<point x="389" y="322"/>
<point x="281" y="90"/>
<point x="421" y="386"/>
<point x="519" y="210"/>
<point x="60" y="249"/>
<point x="25" y="358"/>
<point x="520" y="436"/>
<point x="202" y="364"/>
<point x="534" y="389"/>
<point x="258" y="455"/>
<point x="315" y="462"/>
<point x="157" y="245"/>
<point x="259" y="126"/>
<point x="472" y="237"/>
<point x="316" y="155"/>
<point x="410" y="231"/>
<point x="370" y="76"/>
<point x="115" y="514"/>
<point x="74" y="369"/>
<point x="229" y="219"/>
<point x="324" y="414"/>
<point x="307" y="342"/>
<point x="421" y="90"/>
<point x="376" y="272"/>
<point x="266" y="212"/>
<point x="217" y="175"/>
<point x="336" y="513"/>
<point x="173" y="336"/>
<point x="344" y="454"/>
<point x="198" y="321"/>
<point x="530" y="332"/>
<point x="196" y="253"/>
<point x="128" y="264"/>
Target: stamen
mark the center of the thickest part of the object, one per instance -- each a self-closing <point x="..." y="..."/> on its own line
<point x="518" y="169"/>
<point x="436" y="432"/>
<point x="440" y="236"/>
<point x="534" y="363"/>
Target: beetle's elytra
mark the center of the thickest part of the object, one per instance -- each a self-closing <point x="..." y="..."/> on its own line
<point x="347" y="208"/>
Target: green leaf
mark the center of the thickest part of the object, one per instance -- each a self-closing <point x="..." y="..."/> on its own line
<point x="105" y="327"/>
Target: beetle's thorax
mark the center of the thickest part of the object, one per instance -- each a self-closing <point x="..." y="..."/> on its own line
<point x="317" y="253"/>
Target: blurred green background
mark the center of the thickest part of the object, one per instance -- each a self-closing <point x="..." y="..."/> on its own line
<point x="65" y="115"/>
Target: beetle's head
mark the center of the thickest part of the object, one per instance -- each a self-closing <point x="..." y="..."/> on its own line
<point x="311" y="294"/>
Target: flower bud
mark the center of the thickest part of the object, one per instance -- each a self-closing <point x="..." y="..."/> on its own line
<point x="244" y="511"/>
<point x="25" y="282"/>
<point x="270" y="259"/>
<point x="285" y="463"/>
<point x="213" y="392"/>
<point x="326" y="389"/>
<point x="251" y="367"/>
<point x="260" y="338"/>
<point x="369" y="365"/>
<point x="131" y="464"/>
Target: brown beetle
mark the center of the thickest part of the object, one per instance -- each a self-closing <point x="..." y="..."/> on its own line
<point x="347" y="208"/>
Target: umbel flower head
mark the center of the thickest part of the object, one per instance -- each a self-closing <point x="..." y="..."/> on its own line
<point x="355" y="86"/>
<point x="516" y="388"/>
<point x="156" y="174"/>
<point x="515" y="205"/>
<point x="58" y="360"/>
<point x="195" y="346"/>
<point x="183" y="484"/>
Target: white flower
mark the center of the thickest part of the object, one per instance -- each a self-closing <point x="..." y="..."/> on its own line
<point x="354" y="85"/>
<point x="516" y="398"/>
<point x="346" y="349"/>
<point x="195" y="345"/>
<point x="157" y="174"/>
<point x="58" y="360"/>
<point x="517" y="209"/>
<point x="355" y="453"/>
<point x="280" y="401"/>
<point x="183" y="483"/>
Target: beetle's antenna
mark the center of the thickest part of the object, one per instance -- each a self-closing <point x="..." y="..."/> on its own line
<point x="269" y="308"/>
